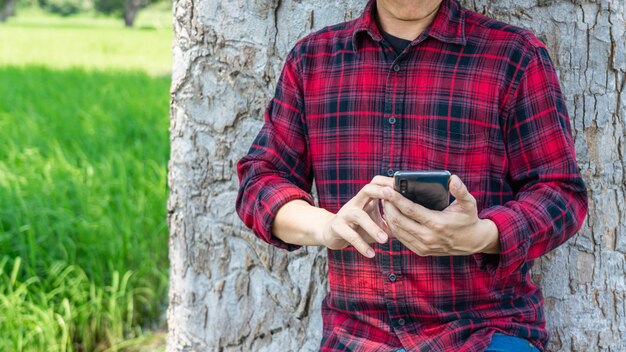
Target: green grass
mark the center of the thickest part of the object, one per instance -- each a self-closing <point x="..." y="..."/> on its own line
<point x="83" y="236"/>
<point x="37" y="38"/>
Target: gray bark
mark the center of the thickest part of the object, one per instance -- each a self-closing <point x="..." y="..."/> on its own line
<point x="7" y="9"/>
<point x="229" y="291"/>
<point x="131" y="10"/>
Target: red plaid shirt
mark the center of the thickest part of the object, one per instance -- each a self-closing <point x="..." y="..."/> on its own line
<point x="471" y="95"/>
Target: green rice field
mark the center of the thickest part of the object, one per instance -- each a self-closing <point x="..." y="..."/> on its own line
<point x="83" y="186"/>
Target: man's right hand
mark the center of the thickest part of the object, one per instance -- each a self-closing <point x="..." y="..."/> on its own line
<point x="358" y="222"/>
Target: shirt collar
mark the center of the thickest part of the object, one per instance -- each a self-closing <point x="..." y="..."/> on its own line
<point x="448" y="25"/>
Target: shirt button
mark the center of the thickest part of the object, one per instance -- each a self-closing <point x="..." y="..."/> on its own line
<point x="401" y="322"/>
<point x="396" y="68"/>
<point x="390" y="172"/>
<point x="392" y="120"/>
<point x="392" y="277"/>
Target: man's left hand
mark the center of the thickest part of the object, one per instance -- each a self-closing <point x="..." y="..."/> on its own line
<point x="456" y="230"/>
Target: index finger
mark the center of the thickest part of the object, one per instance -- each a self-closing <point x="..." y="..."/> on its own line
<point x="376" y="189"/>
<point x="382" y="181"/>
<point x="412" y="210"/>
<point x="367" y="193"/>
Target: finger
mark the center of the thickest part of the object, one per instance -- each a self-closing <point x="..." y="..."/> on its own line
<point x="368" y="192"/>
<point x="382" y="181"/>
<point x="351" y="236"/>
<point x="412" y="210"/>
<point x="381" y="211"/>
<point x="400" y="222"/>
<point x="365" y="236"/>
<point x="390" y="212"/>
<point x="374" y="231"/>
<point x="376" y="215"/>
<point x="371" y="206"/>
<point x="421" y="240"/>
<point x="459" y="191"/>
<point x="411" y="241"/>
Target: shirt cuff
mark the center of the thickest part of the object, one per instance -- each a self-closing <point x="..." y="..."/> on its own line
<point x="514" y="235"/>
<point x="274" y="198"/>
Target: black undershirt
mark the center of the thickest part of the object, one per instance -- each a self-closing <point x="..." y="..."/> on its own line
<point x="398" y="44"/>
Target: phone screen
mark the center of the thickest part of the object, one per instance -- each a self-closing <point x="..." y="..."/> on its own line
<point x="427" y="188"/>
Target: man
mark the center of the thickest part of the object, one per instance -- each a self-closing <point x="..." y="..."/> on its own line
<point x="419" y="85"/>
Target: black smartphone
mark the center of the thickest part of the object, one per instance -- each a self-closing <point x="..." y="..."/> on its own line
<point x="427" y="188"/>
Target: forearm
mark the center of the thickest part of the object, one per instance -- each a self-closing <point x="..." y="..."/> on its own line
<point x="298" y="222"/>
<point x="542" y="217"/>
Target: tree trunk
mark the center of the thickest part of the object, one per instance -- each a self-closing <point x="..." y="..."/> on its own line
<point x="230" y="291"/>
<point x="131" y="9"/>
<point x="7" y="9"/>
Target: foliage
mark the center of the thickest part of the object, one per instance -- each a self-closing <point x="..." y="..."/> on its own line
<point x="126" y="9"/>
<point x="83" y="238"/>
<point x="66" y="7"/>
<point x="64" y="310"/>
<point x="115" y="7"/>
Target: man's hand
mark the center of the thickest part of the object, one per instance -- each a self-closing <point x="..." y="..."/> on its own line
<point x="456" y="230"/>
<point x="358" y="222"/>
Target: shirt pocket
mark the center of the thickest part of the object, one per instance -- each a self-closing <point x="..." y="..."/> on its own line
<point x="463" y="154"/>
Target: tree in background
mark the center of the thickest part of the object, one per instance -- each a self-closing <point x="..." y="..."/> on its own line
<point x="128" y="9"/>
<point x="7" y="9"/>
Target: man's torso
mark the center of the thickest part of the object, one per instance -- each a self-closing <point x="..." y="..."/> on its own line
<point x="438" y="106"/>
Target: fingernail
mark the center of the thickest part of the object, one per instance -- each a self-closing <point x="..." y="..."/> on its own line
<point x="370" y="253"/>
<point x="382" y="236"/>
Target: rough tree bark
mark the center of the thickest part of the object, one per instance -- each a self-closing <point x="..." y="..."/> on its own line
<point x="229" y="291"/>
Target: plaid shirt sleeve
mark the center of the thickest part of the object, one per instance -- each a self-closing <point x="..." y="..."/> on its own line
<point x="551" y="201"/>
<point x="277" y="168"/>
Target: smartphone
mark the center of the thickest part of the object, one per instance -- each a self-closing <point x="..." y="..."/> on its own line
<point x="427" y="188"/>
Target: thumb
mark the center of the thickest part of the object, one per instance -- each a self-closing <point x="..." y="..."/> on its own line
<point x="459" y="190"/>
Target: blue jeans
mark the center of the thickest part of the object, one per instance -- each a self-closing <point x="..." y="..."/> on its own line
<point x="505" y="343"/>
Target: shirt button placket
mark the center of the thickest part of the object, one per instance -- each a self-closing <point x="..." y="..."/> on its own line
<point x="392" y="119"/>
<point x="390" y="134"/>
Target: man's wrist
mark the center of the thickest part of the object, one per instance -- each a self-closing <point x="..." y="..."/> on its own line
<point x="489" y="231"/>
<point x="318" y="225"/>
<point x="300" y="223"/>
